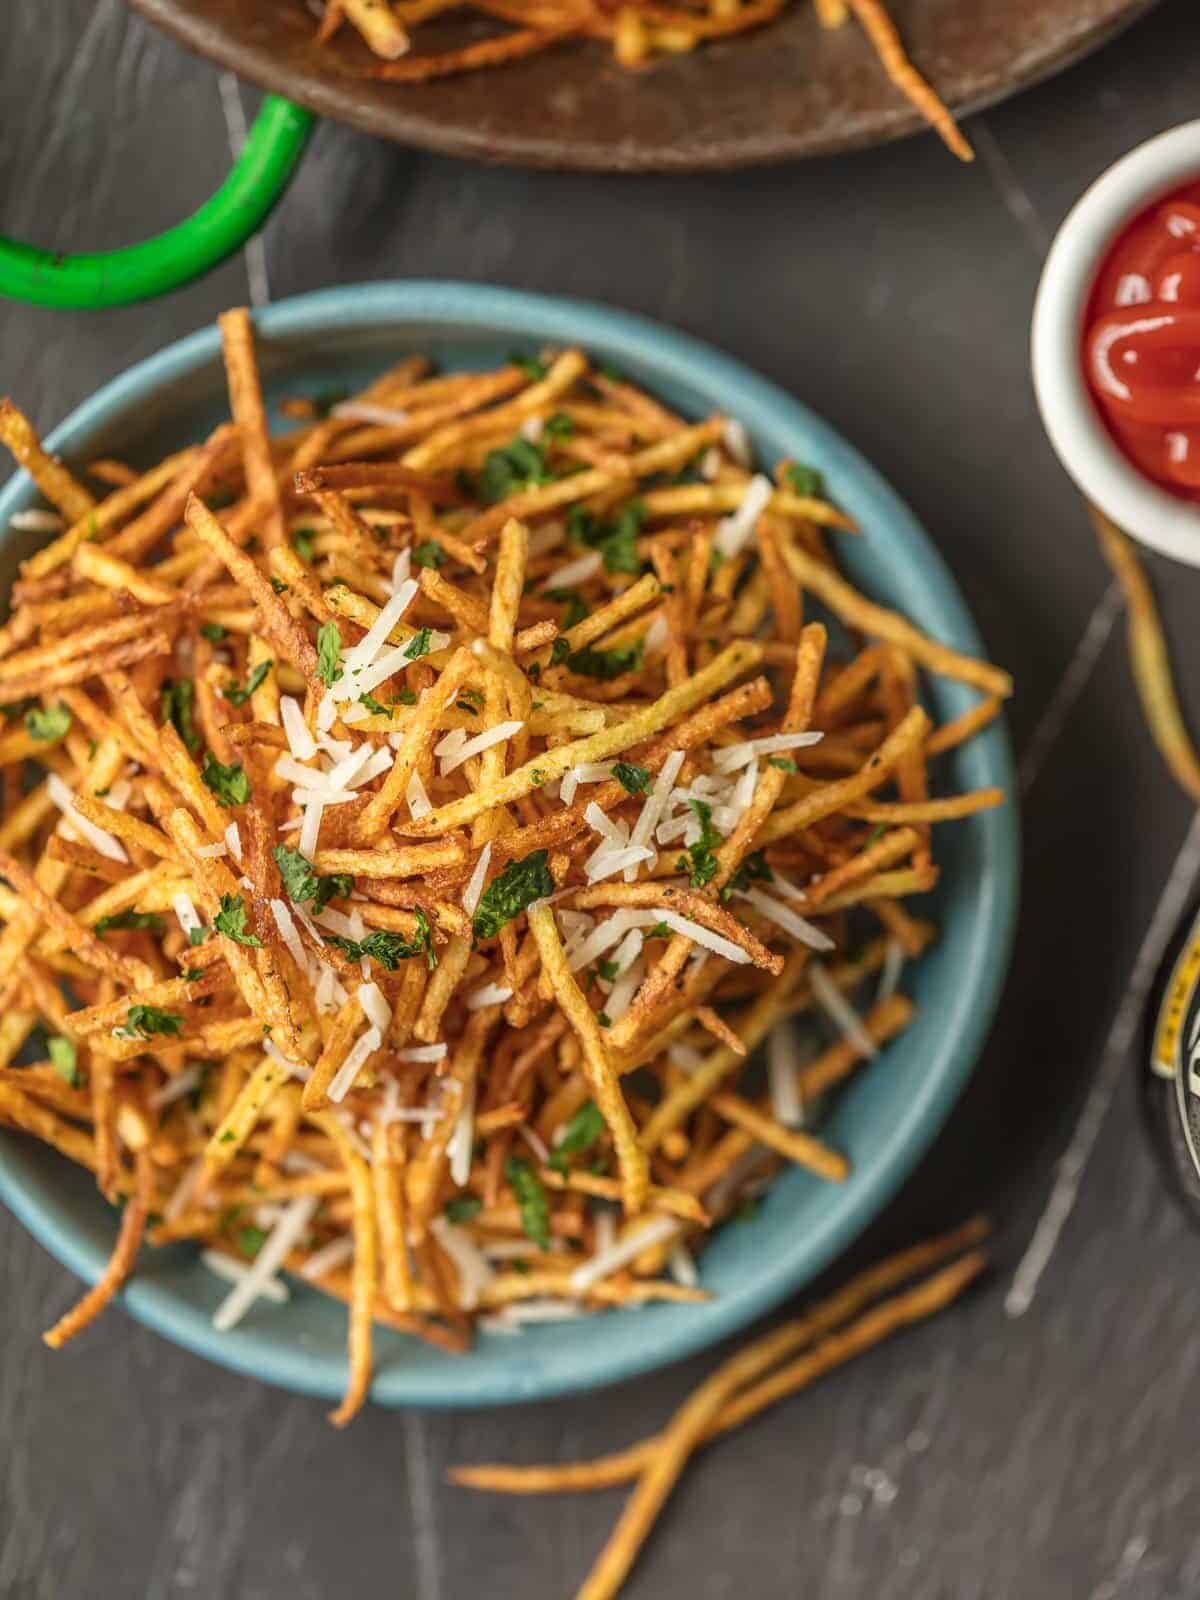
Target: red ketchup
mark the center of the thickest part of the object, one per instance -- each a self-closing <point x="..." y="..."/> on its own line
<point x="1141" y="343"/>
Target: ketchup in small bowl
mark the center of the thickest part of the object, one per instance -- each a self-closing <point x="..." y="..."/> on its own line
<point x="1142" y="342"/>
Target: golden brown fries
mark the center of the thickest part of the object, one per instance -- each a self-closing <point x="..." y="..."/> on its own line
<point x="405" y="916"/>
<point x="638" y="32"/>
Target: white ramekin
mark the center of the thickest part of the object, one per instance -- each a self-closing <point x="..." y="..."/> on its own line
<point x="1076" y="430"/>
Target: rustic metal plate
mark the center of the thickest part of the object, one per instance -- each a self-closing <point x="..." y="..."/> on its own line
<point x="790" y="89"/>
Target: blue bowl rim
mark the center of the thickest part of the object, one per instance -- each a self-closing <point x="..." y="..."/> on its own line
<point x="637" y="343"/>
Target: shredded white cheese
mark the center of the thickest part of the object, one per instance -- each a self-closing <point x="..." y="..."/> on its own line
<point x="476" y="746"/>
<point x="784" y="917"/>
<point x="37" y="521"/>
<point x="734" y="530"/>
<point x="281" y="1240"/>
<point x="223" y="1266"/>
<point x="365" y="410"/>
<point x="64" y="798"/>
<point x="363" y="1047"/>
<point x="488" y="994"/>
<point x="733" y="756"/>
<point x="374" y="1007"/>
<point x="175" y="1088"/>
<point x="835" y="1005"/>
<point x="423" y="1052"/>
<point x="474" y="889"/>
<point x="604" y="1262"/>
<point x="185" y="912"/>
<point x="784" y="1057"/>
<point x="337" y="1253"/>
<point x="578" y="571"/>
<point x="300" y="741"/>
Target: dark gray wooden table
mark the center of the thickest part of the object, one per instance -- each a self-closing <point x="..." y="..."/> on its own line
<point x="1038" y="1442"/>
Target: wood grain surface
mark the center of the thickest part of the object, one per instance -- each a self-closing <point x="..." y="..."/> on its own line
<point x="1045" y="1455"/>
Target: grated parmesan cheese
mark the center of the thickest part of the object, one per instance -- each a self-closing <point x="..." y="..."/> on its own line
<point x="283" y="1237"/>
<point x="474" y="889"/>
<point x="835" y="1005"/>
<point x="734" y="530"/>
<point x="578" y="571"/>
<point x="64" y="798"/>
<point x="604" y="1262"/>
<point x="223" y="1266"/>
<point x="784" y="917"/>
<point x="300" y="741"/>
<point x="337" y="1253"/>
<point x="363" y="1047"/>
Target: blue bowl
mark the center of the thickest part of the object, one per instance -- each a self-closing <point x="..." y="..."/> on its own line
<point x="888" y="1115"/>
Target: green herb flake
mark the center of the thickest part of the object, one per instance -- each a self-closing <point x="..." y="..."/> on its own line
<point x="230" y="784"/>
<point x="636" y="780"/>
<point x="238" y="696"/>
<point x="603" y="1018"/>
<point x="703" y="863"/>
<point x="606" y="665"/>
<point x="531" y="1200"/>
<point x="533" y="369"/>
<point x="578" y="1136"/>
<point x="176" y="707"/>
<point x="197" y="936"/>
<point x="461" y="1208"/>
<point x="418" y="645"/>
<point x="51" y="723"/>
<point x="782" y="763"/>
<point x="213" y="632"/>
<point x="148" y="920"/>
<point x="63" y="1059"/>
<point x="660" y="930"/>
<point x="193" y="974"/>
<point x="303" y="883"/>
<point x="231" y="921"/>
<point x="515" y="466"/>
<point x="250" y="1241"/>
<point x="143" y="1021"/>
<point x="806" y="481"/>
<point x="278" y="585"/>
<point x="302" y="543"/>
<point x="517" y="887"/>
<point x="390" y="949"/>
<point x="329" y="653"/>
<point x="616" y="540"/>
<point x="559" y="426"/>
<point x="574" y="602"/>
<point x="429" y="553"/>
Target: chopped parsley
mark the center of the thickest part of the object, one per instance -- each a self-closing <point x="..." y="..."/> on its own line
<point x="636" y="780"/>
<point x="580" y="1134"/>
<point x="63" y="1058"/>
<point x="533" y="369"/>
<point x="515" y="466"/>
<point x="616" y="540"/>
<point x="302" y="542"/>
<point x="390" y="949"/>
<point x="278" y="585"/>
<point x="213" y="632"/>
<point x="51" y="723"/>
<point x="754" y="869"/>
<point x="781" y="763"/>
<point x="660" y="930"/>
<point x="429" y="553"/>
<point x="806" y="481"/>
<point x="176" y="707"/>
<point x="531" y="1200"/>
<point x="230" y="784"/>
<point x="603" y="1018"/>
<point x="197" y="936"/>
<point x="303" y="883"/>
<point x="238" y="696"/>
<point x="149" y="920"/>
<point x="518" y="886"/>
<point x="143" y="1021"/>
<point x="574" y="602"/>
<point x="462" y="1207"/>
<point x="606" y="664"/>
<point x="250" y="1240"/>
<point x="418" y="645"/>
<point x="560" y="426"/>
<point x="700" y="855"/>
<point x="231" y="921"/>
<point x="329" y="653"/>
